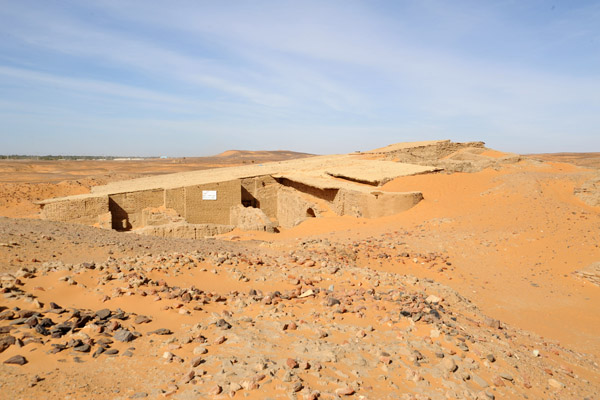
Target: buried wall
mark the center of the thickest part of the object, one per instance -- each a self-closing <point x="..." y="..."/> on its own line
<point x="299" y="201"/>
<point x="293" y="207"/>
<point x="374" y="204"/>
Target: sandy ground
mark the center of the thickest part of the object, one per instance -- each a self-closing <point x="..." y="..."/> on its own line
<point x="335" y="307"/>
<point x="580" y="159"/>
<point x="517" y="236"/>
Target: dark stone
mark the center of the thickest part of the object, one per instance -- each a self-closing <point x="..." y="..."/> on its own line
<point x="74" y="343"/>
<point x="46" y="323"/>
<point x="223" y="324"/>
<point x="17" y="360"/>
<point x="142" y="319"/>
<point x="161" y="331"/>
<point x="111" y="352"/>
<point x="60" y="329"/>
<point x="7" y="314"/>
<point x="127" y="354"/>
<point x="6" y="342"/>
<point x="27" y="313"/>
<point x="103" y="314"/>
<point x="41" y="330"/>
<point x="99" y="351"/>
<point x="57" y="347"/>
<point x="83" y="320"/>
<point x="55" y="306"/>
<point x="120" y="314"/>
<point x="123" y="335"/>
<point x="84" y="348"/>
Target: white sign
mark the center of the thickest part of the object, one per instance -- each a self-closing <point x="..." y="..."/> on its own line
<point x="209" y="195"/>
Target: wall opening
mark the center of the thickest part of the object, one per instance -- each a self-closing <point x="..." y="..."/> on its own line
<point x="310" y="213"/>
<point x="119" y="217"/>
<point x="248" y="200"/>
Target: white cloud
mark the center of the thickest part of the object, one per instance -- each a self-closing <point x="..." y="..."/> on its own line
<point x="325" y="67"/>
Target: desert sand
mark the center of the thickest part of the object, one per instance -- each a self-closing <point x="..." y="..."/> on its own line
<point x="474" y="293"/>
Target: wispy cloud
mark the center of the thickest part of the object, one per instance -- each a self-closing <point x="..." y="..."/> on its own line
<point x="464" y="70"/>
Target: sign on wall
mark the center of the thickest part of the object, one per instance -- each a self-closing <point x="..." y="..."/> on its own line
<point x="209" y="195"/>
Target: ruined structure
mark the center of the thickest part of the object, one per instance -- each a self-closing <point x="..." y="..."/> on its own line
<point x="255" y="197"/>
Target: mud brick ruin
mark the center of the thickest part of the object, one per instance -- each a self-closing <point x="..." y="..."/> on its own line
<point x="267" y="196"/>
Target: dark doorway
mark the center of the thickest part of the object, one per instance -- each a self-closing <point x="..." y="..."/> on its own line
<point x="120" y="217"/>
<point x="310" y="213"/>
<point x="248" y="200"/>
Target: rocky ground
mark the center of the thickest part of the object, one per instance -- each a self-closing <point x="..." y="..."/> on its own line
<point x="215" y="319"/>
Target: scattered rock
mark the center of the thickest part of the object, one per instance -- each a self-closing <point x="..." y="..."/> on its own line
<point x="123" y="335"/>
<point x="161" y="331"/>
<point x="448" y="364"/>
<point x="16" y="360"/>
<point x="556" y="384"/>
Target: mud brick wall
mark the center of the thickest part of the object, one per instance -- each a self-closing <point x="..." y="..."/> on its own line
<point x="261" y="192"/>
<point x="198" y="211"/>
<point x="175" y="199"/>
<point x="126" y="208"/>
<point x="84" y="211"/>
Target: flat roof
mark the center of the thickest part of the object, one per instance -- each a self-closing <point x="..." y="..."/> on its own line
<point x="330" y="171"/>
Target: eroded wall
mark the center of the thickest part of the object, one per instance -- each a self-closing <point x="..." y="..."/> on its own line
<point x="175" y="199"/>
<point x="126" y="208"/>
<point x="261" y="192"/>
<point x="251" y="219"/>
<point x="88" y="211"/>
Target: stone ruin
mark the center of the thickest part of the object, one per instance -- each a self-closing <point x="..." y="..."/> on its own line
<point x="268" y="196"/>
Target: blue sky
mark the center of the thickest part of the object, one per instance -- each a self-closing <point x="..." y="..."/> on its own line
<point x="192" y="78"/>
